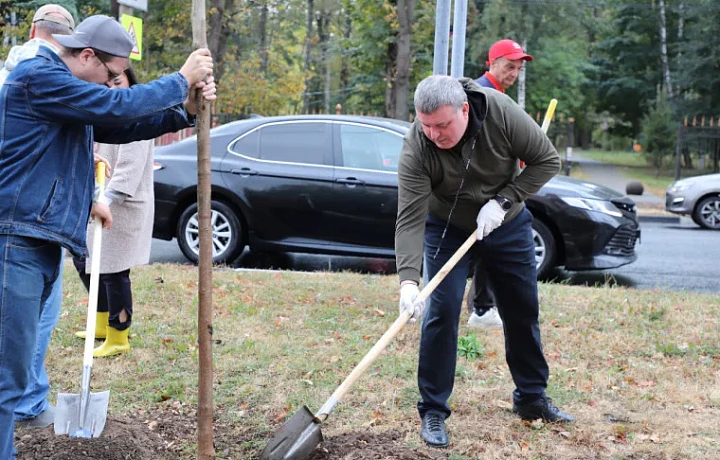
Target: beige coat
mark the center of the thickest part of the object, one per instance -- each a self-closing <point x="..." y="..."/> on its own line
<point x="127" y="243"/>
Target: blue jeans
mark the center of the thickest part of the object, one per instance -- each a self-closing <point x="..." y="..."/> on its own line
<point x="508" y="257"/>
<point x="28" y="270"/>
<point x="35" y="401"/>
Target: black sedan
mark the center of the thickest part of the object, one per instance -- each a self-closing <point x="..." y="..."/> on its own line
<point x="328" y="184"/>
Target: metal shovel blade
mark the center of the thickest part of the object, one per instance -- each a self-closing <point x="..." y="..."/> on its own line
<point x="296" y="439"/>
<point x="68" y="414"/>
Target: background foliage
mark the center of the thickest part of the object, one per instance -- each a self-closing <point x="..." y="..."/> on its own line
<point x="601" y="59"/>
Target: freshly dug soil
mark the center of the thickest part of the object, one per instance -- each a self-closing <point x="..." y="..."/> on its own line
<point x="165" y="435"/>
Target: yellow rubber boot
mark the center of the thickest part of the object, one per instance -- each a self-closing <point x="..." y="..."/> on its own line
<point x="115" y="343"/>
<point x="101" y="323"/>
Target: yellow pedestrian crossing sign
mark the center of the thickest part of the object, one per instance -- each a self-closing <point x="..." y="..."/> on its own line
<point x="134" y="27"/>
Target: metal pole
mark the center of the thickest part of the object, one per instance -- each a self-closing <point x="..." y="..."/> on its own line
<point x="123" y="9"/>
<point x="442" y="35"/>
<point x="457" y="64"/>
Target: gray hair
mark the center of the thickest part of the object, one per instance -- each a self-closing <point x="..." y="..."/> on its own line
<point x="436" y="91"/>
<point x="50" y="28"/>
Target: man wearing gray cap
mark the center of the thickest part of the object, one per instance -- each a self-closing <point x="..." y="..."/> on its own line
<point x="34" y="409"/>
<point x="52" y="108"/>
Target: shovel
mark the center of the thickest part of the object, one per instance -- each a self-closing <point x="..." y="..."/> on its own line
<point x="83" y="415"/>
<point x="301" y="434"/>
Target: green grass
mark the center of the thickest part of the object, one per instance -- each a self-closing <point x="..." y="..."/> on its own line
<point x="631" y="159"/>
<point x="283" y="340"/>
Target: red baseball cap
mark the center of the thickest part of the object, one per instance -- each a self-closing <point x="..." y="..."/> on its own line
<point x="507" y="49"/>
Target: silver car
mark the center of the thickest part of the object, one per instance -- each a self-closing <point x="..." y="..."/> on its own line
<point x="697" y="196"/>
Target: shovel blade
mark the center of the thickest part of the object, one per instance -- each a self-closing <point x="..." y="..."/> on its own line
<point x="68" y="418"/>
<point x="296" y="439"/>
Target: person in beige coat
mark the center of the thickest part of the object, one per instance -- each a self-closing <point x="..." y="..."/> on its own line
<point x="129" y="193"/>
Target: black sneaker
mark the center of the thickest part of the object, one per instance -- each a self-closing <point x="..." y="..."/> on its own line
<point x="433" y="429"/>
<point x="542" y="408"/>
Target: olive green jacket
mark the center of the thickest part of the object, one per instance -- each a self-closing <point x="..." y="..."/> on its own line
<point x="499" y="134"/>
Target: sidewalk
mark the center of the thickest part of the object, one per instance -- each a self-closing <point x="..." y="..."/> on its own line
<point x="650" y="207"/>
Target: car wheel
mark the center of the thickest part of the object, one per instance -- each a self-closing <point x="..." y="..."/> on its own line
<point x="707" y="213"/>
<point x="545" y="248"/>
<point x="227" y="233"/>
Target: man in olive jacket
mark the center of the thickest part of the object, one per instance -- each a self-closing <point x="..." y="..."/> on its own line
<point x="459" y="174"/>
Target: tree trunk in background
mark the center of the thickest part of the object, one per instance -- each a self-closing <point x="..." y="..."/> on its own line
<point x="524" y="43"/>
<point x="323" y="25"/>
<point x="344" y="60"/>
<point x="114" y="9"/>
<point x="663" y="51"/>
<point x="262" y="37"/>
<point x="390" y="94"/>
<point x="401" y="82"/>
<point x="521" y="80"/>
<point x="218" y="33"/>
<point x="308" y="46"/>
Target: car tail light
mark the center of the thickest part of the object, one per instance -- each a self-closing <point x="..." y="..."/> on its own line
<point x="157" y="166"/>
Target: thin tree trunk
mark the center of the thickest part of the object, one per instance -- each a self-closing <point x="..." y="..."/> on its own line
<point x="219" y="20"/>
<point x="390" y="94"/>
<point x="206" y="449"/>
<point x="308" y="49"/>
<point x="681" y="25"/>
<point x="401" y="82"/>
<point x="663" y="51"/>
<point x="521" y="80"/>
<point x="344" y="61"/>
<point x="323" y="23"/>
<point x="262" y="32"/>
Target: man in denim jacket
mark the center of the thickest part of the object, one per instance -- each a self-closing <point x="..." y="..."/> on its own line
<point x="52" y="108"/>
<point x="34" y="410"/>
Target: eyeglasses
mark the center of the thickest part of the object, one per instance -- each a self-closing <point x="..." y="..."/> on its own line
<point x="111" y="75"/>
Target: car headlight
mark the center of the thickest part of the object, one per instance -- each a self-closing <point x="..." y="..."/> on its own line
<point x="602" y="206"/>
<point x="678" y="187"/>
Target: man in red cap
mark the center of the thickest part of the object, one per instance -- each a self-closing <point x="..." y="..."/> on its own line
<point x="505" y="60"/>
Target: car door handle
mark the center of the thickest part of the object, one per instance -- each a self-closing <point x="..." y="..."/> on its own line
<point x="244" y="172"/>
<point x="350" y="181"/>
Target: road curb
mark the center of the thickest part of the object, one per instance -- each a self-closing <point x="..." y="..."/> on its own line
<point x="659" y="219"/>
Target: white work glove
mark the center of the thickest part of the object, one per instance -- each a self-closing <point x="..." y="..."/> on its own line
<point x="408" y="294"/>
<point x="489" y="218"/>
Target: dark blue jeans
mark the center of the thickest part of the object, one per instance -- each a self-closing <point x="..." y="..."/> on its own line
<point x="28" y="270"/>
<point x="508" y="256"/>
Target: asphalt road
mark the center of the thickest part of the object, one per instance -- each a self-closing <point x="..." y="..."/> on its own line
<point x="677" y="257"/>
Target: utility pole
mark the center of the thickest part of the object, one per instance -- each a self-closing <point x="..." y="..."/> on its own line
<point x="123" y="9"/>
<point x="457" y="64"/>
<point x="442" y="35"/>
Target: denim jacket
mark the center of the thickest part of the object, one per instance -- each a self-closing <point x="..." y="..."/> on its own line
<point x="48" y="122"/>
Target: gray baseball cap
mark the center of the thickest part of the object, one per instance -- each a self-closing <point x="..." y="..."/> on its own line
<point x="101" y="33"/>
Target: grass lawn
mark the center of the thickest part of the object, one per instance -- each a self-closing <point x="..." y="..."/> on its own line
<point x="639" y="369"/>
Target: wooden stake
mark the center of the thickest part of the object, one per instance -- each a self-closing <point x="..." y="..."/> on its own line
<point x="206" y="450"/>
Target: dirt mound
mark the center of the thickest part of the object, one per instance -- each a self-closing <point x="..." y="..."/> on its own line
<point x="366" y="446"/>
<point x="165" y="434"/>
<point x="122" y="439"/>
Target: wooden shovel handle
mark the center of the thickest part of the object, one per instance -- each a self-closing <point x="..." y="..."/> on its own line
<point x="375" y="351"/>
